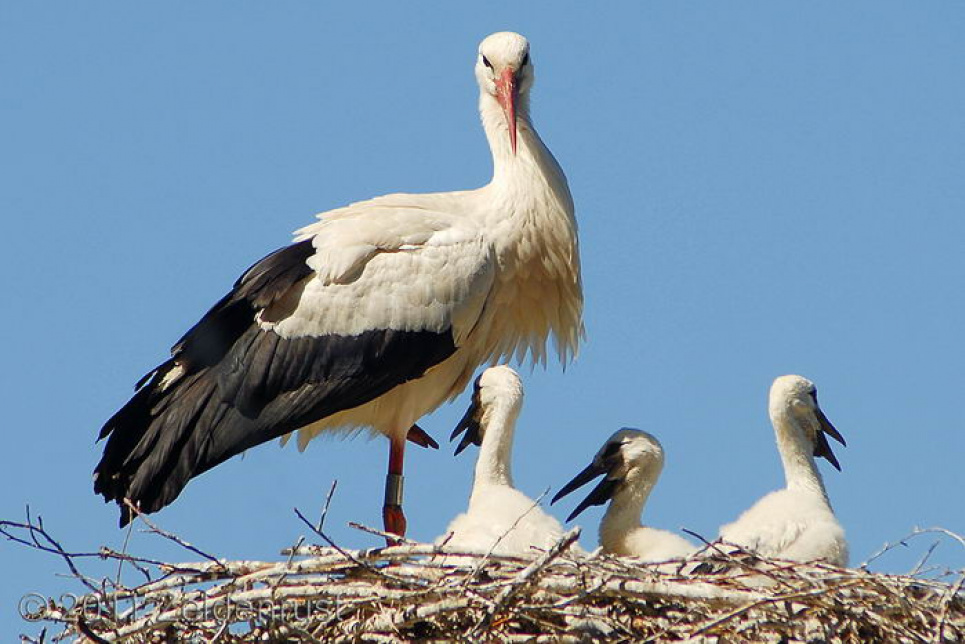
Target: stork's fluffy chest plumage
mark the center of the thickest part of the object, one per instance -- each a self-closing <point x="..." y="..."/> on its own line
<point x="514" y="282"/>
<point x="539" y="290"/>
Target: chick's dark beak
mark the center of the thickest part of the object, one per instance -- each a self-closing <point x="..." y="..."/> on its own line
<point x="469" y="423"/>
<point x="822" y="448"/>
<point x="602" y="493"/>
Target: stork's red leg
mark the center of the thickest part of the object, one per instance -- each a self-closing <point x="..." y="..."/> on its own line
<point x="392" y="517"/>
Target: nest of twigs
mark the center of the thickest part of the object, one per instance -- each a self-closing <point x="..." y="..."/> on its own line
<point x="413" y="591"/>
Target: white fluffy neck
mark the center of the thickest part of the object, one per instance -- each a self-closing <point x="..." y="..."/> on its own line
<point x="623" y="514"/>
<point x="797" y="454"/>
<point x="493" y="466"/>
<point x="532" y="161"/>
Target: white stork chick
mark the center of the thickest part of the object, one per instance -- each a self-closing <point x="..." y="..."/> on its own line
<point x="373" y="317"/>
<point x="795" y="523"/>
<point x="499" y="516"/>
<point x="630" y="461"/>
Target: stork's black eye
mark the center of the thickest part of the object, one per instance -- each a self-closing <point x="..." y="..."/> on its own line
<point x="525" y="60"/>
<point x="487" y="63"/>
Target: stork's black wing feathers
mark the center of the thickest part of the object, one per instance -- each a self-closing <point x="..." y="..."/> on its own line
<point x="259" y="287"/>
<point x="231" y="385"/>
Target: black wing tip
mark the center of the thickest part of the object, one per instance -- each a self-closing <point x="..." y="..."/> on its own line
<point x="111" y="489"/>
<point x="126" y="517"/>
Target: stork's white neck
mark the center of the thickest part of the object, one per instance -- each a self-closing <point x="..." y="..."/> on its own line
<point x="493" y="466"/>
<point x="532" y="161"/>
<point x="797" y="453"/>
<point x="623" y="514"/>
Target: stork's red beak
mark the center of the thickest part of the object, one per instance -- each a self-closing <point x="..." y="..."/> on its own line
<point x="506" y="94"/>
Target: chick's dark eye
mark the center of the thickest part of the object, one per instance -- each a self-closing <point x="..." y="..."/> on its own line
<point x="487" y="63"/>
<point x="525" y="60"/>
<point x="611" y="450"/>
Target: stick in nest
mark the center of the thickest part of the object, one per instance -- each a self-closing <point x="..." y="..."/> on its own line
<point x="524" y="578"/>
<point x="170" y="536"/>
<point x="52" y="545"/>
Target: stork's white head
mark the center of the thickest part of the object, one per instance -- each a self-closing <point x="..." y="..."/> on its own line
<point x="498" y="382"/>
<point x="630" y="459"/>
<point x="505" y="72"/>
<point x="497" y="391"/>
<point x="796" y="397"/>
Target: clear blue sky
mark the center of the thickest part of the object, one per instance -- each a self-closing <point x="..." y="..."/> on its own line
<point x="762" y="188"/>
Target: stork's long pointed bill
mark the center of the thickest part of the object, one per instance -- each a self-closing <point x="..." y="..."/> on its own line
<point x="506" y="94"/>
<point x="822" y="448"/>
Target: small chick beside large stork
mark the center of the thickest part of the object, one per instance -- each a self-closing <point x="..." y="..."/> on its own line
<point x="499" y="516"/>
<point x="797" y="522"/>
<point x="630" y="462"/>
<point x="373" y="317"/>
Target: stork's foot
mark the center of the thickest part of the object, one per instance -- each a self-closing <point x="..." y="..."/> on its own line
<point x="394" y="521"/>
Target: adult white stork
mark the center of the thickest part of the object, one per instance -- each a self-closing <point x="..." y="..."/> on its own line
<point x="630" y="462"/>
<point x="499" y="517"/>
<point x="374" y="316"/>
<point x="797" y="522"/>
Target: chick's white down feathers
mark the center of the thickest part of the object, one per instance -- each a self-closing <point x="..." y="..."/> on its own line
<point x="499" y="516"/>
<point x="796" y="522"/>
<point x="630" y="461"/>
